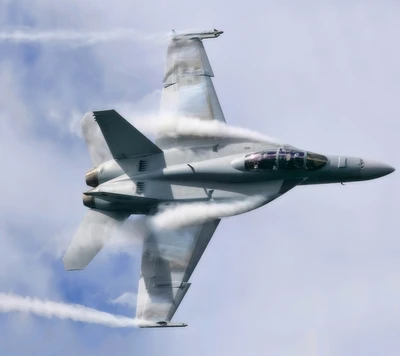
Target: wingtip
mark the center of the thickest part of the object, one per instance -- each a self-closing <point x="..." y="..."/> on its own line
<point x="161" y="324"/>
<point x="71" y="265"/>
<point x="200" y="35"/>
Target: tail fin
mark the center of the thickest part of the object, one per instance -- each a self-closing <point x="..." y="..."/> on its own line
<point x="94" y="231"/>
<point x="97" y="145"/>
<point x="119" y="138"/>
<point x="122" y="138"/>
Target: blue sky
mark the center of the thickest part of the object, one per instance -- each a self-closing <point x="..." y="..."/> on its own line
<point x="314" y="273"/>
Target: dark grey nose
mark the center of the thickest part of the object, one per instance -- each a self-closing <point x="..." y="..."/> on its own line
<point x="375" y="169"/>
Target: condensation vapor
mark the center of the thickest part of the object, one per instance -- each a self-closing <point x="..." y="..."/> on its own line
<point x="168" y="126"/>
<point x="129" y="237"/>
<point x="49" y="309"/>
<point x="78" y="37"/>
<point x="189" y="214"/>
<point x="171" y="126"/>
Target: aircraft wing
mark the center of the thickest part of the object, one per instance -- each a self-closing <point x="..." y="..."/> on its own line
<point x="188" y="90"/>
<point x="168" y="260"/>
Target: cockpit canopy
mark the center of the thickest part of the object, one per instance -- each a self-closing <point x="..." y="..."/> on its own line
<point x="284" y="160"/>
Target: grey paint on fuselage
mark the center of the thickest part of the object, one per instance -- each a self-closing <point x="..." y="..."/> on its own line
<point x="215" y="166"/>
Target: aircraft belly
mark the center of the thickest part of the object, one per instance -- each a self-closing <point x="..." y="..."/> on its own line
<point x="218" y="191"/>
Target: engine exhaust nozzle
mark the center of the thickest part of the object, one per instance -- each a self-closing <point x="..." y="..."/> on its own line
<point x="88" y="201"/>
<point x="92" y="178"/>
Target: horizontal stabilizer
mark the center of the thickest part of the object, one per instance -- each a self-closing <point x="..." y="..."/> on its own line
<point x="94" y="231"/>
<point x="161" y="324"/>
<point x="123" y="140"/>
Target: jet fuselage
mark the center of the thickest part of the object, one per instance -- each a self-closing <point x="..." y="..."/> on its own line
<point x="234" y="171"/>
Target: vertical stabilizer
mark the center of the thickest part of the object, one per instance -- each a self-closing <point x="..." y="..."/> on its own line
<point x="109" y="136"/>
<point x="97" y="145"/>
<point x="123" y="139"/>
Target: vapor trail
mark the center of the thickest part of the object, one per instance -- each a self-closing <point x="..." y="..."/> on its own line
<point x="77" y="37"/>
<point x="190" y="126"/>
<point x="128" y="299"/>
<point x="49" y="309"/>
<point x="189" y="214"/>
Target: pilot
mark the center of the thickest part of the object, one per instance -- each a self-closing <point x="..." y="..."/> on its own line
<point x="298" y="160"/>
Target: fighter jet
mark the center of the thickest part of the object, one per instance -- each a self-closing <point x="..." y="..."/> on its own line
<point x="133" y="175"/>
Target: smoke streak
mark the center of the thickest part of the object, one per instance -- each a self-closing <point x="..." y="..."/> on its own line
<point x="190" y="126"/>
<point x="49" y="309"/>
<point x="189" y="214"/>
<point x="78" y="37"/>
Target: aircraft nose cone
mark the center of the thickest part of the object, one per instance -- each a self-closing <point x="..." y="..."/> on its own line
<point x="375" y="169"/>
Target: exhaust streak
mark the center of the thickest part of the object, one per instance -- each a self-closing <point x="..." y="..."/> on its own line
<point x="78" y="37"/>
<point x="49" y="309"/>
